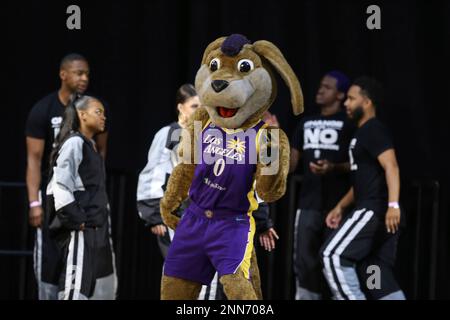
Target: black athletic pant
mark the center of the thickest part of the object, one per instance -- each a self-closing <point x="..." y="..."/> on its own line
<point x="309" y="235"/>
<point x="361" y="241"/>
<point x="78" y="264"/>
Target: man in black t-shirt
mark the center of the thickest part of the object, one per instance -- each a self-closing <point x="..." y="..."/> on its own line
<point x="42" y="127"/>
<point x="368" y="235"/>
<point x="321" y="142"/>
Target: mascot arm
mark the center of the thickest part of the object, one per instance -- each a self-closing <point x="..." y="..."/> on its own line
<point x="272" y="169"/>
<point x="181" y="178"/>
<point x="176" y="193"/>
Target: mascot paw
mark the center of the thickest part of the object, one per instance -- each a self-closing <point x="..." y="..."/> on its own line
<point x="169" y="219"/>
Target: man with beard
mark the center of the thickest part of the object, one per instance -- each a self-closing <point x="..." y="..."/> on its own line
<point x="368" y="235"/>
<point x="321" y="142"/>
<point x="42" y="127"/>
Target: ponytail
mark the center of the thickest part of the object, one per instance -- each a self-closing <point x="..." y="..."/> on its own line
<point x="70" y="123"/>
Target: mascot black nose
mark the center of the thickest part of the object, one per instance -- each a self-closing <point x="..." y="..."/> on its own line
<point x="219" y="85"/>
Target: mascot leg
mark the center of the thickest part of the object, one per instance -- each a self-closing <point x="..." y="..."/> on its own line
<point x="237" y="287"/>
<point x="255" y="277"/>
<point x="179" y="289"/>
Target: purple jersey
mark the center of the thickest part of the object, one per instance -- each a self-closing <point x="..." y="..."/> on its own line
<point x="217" y="229"/>
<point x="224" y="177"/>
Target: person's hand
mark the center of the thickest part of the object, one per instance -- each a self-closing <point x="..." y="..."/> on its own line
<point x="392" y="220"/>
<point x="334" y="217"/>
<point x="35" y="216"/>
<point x="159" y="230"/>
<point x="267" y="239"/>
<point x="322" y="167"/>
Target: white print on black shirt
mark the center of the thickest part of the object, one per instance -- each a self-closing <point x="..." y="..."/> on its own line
<point x="353" y="165"/>
<point x="322" y="134"/>
<point x="56" y="125"/>
<point x="316" y="154"/>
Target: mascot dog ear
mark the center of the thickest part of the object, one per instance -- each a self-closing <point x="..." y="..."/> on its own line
<point x="272" y="54"/>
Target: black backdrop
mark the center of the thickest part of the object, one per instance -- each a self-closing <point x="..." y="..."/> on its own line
<point x="141" y="51"/>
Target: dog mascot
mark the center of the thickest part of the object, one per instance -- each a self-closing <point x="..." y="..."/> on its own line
<point x="229" y="156"/>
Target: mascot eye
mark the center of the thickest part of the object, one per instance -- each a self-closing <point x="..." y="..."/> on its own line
<point x="214" y="64"/>
<point x="245" y="65"/>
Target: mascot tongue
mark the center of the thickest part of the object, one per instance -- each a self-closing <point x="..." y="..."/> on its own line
<point x="226" y="112"/>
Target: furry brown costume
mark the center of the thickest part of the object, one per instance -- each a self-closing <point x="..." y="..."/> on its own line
<point x="248" y="89"/>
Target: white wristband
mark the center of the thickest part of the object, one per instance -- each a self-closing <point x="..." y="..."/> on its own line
<point x="35" y="204"/>
<point x="394" y="205"/>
